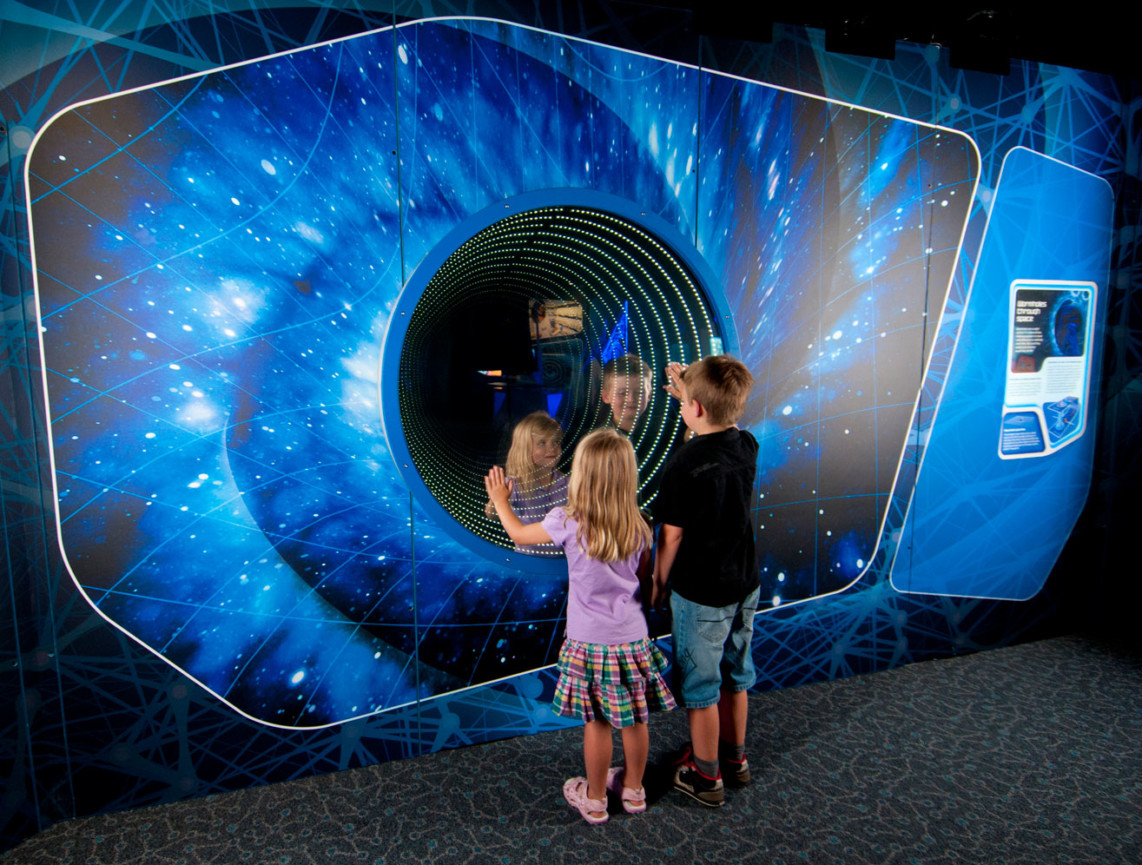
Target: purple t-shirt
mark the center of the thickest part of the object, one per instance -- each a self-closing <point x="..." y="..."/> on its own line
<point x="603" y="601"/>
<point x="534" y="505"/>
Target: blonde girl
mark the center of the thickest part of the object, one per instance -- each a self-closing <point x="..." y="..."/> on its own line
<point x="537" y="486"/>
<point x="610" y="674"/>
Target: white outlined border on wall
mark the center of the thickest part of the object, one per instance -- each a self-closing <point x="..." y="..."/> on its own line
<point x="395" y="30"/>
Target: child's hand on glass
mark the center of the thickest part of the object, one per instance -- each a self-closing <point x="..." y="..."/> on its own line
<point x="498" y="485"/>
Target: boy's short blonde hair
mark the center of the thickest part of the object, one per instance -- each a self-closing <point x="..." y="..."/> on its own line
<point x="721" y="384"/>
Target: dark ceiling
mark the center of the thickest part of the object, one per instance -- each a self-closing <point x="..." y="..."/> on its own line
<point x="978" y="37"/>
<point x="983" y="38"/>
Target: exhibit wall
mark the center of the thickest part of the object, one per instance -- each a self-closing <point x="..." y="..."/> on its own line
<point x="278" y="284"/>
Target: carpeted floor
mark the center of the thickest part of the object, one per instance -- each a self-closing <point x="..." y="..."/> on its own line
<point x="1030" y="754"/>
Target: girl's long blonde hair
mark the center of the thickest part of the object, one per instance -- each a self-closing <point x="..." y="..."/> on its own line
<point x="518" y="465"/>
<point x="602" y="497"/>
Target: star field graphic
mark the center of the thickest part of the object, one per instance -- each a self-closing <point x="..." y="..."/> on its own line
<point x="91" y="711"/>
<point x="835" y="276"/>
<point x="226" y="490"/>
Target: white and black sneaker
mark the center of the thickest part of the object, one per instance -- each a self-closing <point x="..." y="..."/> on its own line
<point x="690" y="780"/>
<point x="736" y="774"/>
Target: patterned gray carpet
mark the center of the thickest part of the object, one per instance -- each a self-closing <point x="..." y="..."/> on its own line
<point x="1031" y="754"/>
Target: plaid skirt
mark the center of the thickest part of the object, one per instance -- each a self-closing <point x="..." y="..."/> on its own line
<point x="619" y="684"/>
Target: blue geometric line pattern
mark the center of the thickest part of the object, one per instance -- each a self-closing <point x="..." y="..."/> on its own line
<point x="88" y="704"/>
<point x="1052" y="221"/>
<point x="211" y="379"/>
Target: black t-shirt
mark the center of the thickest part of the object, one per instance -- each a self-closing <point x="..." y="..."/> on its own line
<point x="707" y="487"/>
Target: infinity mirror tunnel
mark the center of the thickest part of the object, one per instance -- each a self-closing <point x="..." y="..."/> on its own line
<point x="524" y="316"/>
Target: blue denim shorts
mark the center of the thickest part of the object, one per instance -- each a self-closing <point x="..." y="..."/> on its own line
<point x="711" y="650"/>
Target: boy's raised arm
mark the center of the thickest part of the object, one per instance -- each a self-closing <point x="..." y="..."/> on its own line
<point x="674" y="379"/>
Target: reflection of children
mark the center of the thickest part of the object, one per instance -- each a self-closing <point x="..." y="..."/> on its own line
<point x="626" y="390"/>
<point x="706" y="550"/>
<point x="537" y="486"/>
<point x="610" y="674"/>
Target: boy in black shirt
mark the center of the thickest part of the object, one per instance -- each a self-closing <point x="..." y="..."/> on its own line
<point x="706" y="551"/>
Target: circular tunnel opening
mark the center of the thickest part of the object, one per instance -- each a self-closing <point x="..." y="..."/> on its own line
<point x="535" y="312"/>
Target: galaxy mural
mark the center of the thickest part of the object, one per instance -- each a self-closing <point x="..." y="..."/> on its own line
<point x="229" y="491"/>
<point x="286" y="311"/>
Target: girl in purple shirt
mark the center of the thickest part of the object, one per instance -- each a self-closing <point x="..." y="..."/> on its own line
<point x="610" y="673"/>
<point x="537" y="485"/>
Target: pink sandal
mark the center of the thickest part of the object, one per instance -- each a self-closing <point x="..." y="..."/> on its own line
<point x="575" y="792"/>
<point x="634" y="801"/>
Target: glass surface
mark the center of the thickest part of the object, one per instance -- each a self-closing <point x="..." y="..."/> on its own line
<point x="569" y="311"/>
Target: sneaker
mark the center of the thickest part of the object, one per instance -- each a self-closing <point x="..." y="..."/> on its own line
<point x="634" y="801"/>
<point x="684" y="755"/>
<point x="575" y="792"/>
<point x="735" y="774"/>
<point x="709" y="791"/>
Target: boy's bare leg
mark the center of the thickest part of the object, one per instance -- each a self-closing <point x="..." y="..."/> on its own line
<point x="704" y="725"/>
<point x="636" y="746"/>
<point x="733" y="710"/>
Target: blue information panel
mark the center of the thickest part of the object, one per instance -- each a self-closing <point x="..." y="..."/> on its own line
<point x="1048" y="377"/>
<point x="1008" y="465"/>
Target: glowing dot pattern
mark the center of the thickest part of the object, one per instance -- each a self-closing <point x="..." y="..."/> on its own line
<point x="618" y="273"/>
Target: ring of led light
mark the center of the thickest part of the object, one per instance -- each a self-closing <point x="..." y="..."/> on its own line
<point x="570" y="245"/>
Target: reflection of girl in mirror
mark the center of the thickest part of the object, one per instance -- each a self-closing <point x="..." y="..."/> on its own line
<point x="610" y="673"/>
<point x="537" y="486"/>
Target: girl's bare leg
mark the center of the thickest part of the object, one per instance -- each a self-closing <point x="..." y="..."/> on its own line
<point x="636" y="746"/>
<point x="597" y="750"/>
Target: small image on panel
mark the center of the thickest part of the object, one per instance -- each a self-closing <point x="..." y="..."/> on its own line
<point x="1062" y="416"/>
